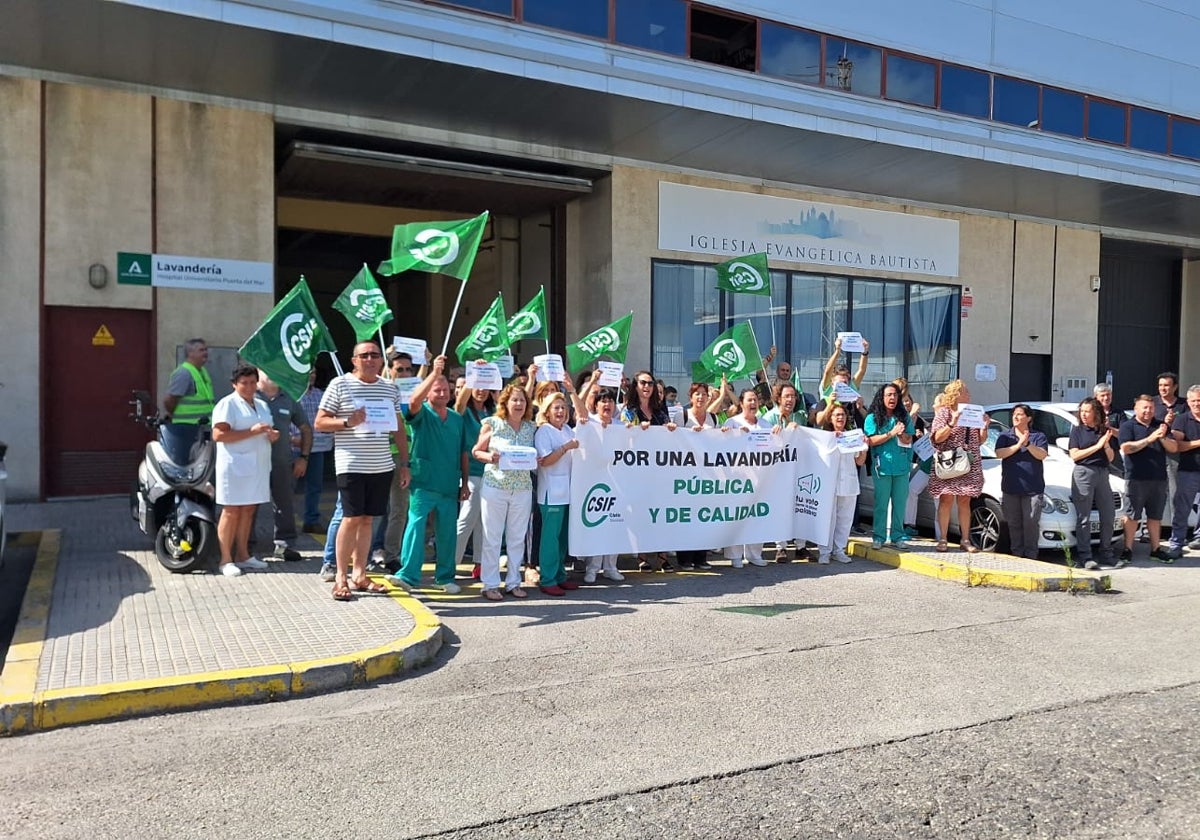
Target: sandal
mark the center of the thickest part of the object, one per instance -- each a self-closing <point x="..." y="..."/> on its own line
<point x="518" y="592"/>
<point x="970" y="547"/>
<point x="367" y="585"/>
<point x="941" y="547"/>
<point x="342" y="593"/>
<point x="493" y="595"/>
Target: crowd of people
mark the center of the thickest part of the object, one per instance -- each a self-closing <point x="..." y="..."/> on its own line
<point x="467" y="470"/>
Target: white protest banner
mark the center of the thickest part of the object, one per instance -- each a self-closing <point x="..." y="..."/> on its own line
<point x="851" y="440"/>
<point x="414" y="347"/>
<point x="970" y="415"/>
<point x="484" y="375"/>
<point x="505" y="364"/>
<point x="637" y="490"/>
<point x="381" y="416"/>
<point x="852" y="342"/>
<point x="610" y="374"/>
<point x="406" y="385"/>
<point x="923" y="447"/>
<point x="844" y="392"/>
<point x="549" y="367"/>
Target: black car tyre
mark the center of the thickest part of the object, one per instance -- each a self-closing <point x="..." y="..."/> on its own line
<point x="988" y="530"/>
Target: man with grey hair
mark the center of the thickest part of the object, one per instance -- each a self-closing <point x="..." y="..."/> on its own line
<point x="1186" y="431"/>
<point x="189" y="401"/>
<point x="1112" y="416"/>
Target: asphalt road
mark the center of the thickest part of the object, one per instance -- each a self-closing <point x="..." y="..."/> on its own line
<point x="832" y="702"/>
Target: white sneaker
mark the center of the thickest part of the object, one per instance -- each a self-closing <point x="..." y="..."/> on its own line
<point x="758" y="562"/>
<point x="823" y="559"/>
<point x="399" y="582"/>
<point x="589" y="576"/>
<point x="378" y="558"/>
<point x="613" y="574"/>
<point x="253" y="564"/>
<point x="451" y="588"/>
<point x="736" y="562"/>
<point x="328" y="572"/>
<point x="231" y="570"/>
<point x="842" y="557"/>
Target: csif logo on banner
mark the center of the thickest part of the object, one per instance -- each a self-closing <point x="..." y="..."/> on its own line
<point x="728" y="356"/>
<point x="524" y="323"/>
<point x="437" y="247"/>
<point x="598" y="506"/>
<point x="605" y="340"/>
<point x="484" y="340"/>
<point x="296" y="340"/>
<point x="745" y="277"/>
<point x="369" y="302"/>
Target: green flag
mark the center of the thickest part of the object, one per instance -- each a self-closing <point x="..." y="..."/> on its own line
<point x="702" y="374"/>
<point x="436" y="247"/>
<point x="488" y="339"/>
<point x="363" y="304"/>
<point x="610" y="342"/>
<point x="747" y="275"/>
<point x="733" y="353"/>
<point x="530" y="320"/>
<point x="289" y="341"/>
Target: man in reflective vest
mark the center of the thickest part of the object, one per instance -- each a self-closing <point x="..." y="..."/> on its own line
<point x="189" y="400"/>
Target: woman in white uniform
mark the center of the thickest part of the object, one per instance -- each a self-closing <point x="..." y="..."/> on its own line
<point x="745" y="421"/>
<point x="243" y="431"/>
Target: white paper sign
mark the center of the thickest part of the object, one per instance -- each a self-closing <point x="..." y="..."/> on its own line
<point x="970" y="415"/>
<point x="923" y="447"/>
<point x="760" y="438"/>
<point x="381" y="416"/>
<point x="484" y="375"/>
<point x="406" y="385"/>
<point x="851" y="440"/>
<point x="852" y="342"/>
<point x="985" y="373"/>
<point x="844" y="392"/>
<point x="517" y="457"/>
<point x="610" y="374"/>
<point x="505" y="364"/>
<point x="414" y="347"/>
<point x="549" y="367"/>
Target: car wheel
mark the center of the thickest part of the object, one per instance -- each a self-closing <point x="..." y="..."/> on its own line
<point x="988" y="530"/>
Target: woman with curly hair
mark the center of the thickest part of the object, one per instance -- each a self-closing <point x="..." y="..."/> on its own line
<point x="889" y="432"/>
<point x="947" y="435"/>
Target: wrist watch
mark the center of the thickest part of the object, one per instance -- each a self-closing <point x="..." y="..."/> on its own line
<point x="345" y="422"/>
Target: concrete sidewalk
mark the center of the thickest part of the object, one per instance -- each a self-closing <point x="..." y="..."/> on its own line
<point x="107" y="632"/>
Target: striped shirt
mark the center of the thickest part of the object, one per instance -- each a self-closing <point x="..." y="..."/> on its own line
<point x="358" y="450"/>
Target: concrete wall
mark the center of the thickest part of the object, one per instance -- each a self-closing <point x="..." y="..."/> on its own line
<point x="592" y="293"/>
<point x="20" y="200"/>
<point x="215" y="197"/>
<point x="1050" y="298"/>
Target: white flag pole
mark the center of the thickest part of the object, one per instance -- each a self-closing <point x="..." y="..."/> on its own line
<point x="336" y="364"/>
<point x="766" y="376"/>
<point x="453" y="315"/>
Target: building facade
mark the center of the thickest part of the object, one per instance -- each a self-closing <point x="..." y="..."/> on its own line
<point x="1001" y="191"/>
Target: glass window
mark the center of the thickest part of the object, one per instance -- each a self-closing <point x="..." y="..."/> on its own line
<point x="1062" y="112"/>
<point x="853" y="67"/>
<point x="911" y="80"/>
<point x="1185" y="138"/>
<point x="932" y="353"/>
<point x="1148" y="130"/>
<point x="767" y="315"/>
<point x="878" y="314"/>
<point x="585" y="17"/>
<point x="820" y="310"/>
<point x="498" y="7"/>
<point x="686" y="307"/>
<point x="659" y="25"/>
<point x="965" y="91"/>
<point x="791" y="53"/>
<point x="1014" y="102"/>
<point x="1106" y="121"/>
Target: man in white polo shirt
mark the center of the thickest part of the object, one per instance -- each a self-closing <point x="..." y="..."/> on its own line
<point x="363" y="462"/>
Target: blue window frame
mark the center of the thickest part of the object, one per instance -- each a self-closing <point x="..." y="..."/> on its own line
<point x="1014" y="102"/>
<point x="1185" y="138"/>
<point x="966" y="91"/>
<point x="790" y="53"/>
<point x="584" y="17"/>
<point x="911" y="80"/>
<point x="853" y="67"/>
<point x="659" y="25"/>
<point x="496" y="7"/>
<point x="1106" y="121"/>
<point x="1148" y="130"/>
<point x="1062" y="112"/>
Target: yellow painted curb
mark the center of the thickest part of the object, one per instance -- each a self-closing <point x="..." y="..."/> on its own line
<point x="1054" y="579"/>
<point x="23" y="708"/>
<point x="18" y="681"/>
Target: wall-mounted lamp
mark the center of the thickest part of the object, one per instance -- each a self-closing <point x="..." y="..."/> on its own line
<point x="97" y="275"/>
<point x="1095" y="282"/>
<point x="1034" y="336"/>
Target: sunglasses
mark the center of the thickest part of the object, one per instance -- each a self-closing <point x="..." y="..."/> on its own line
<point x="645" y="382"/>
<point x="370" y="355"/>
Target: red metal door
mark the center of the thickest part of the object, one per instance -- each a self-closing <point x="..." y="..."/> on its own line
<point x="95" y="358"/>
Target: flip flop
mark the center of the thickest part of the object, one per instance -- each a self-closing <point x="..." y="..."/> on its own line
<point x="518" y="592"/>
<point x="493" y="595"/>
<point x="367" y="586"/>
<point x="342" y="593"/>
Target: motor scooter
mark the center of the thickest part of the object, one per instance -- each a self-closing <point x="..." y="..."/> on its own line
<point x="174" y="499"/>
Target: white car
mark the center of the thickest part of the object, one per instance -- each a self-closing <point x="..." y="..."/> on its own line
<point x="988" y="530"/>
